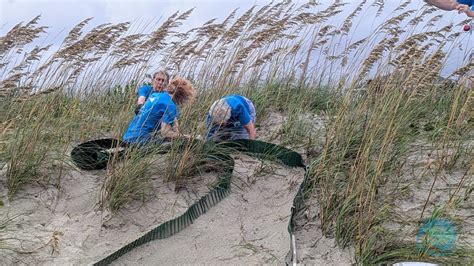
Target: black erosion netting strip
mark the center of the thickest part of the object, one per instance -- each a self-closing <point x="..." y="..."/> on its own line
<point x="92" y="155"/>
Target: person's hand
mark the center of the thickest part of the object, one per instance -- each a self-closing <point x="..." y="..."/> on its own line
<point x="188" y="136"/>
<point x="462" y="8"/>
<point x="138" y="108"/>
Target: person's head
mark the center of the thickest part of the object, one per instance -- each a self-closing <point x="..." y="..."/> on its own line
<point x="181" y="90"/>
<point x="220" y="112"/>
<point x="160" y="80"/>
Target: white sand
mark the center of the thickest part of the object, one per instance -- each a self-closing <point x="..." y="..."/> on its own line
<point x="67" y="227"/>
<point x="414" y="185"/>
<point x="312" y="247"/>
<point x="83" y="232"/>
<point x="247" y="227"/>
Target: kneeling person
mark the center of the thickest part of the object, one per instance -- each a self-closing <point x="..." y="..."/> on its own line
<point x="231" y="118"/>
<point x="159" y="114"/>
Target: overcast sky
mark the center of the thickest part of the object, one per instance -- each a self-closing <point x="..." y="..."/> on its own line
<point x="61" y="16"/>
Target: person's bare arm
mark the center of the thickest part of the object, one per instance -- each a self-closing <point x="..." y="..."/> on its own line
<point x="250" y="127"/>
<point x="168" y="131"/>
<point x="443" y="4"/>
<point x="465" y="9"/>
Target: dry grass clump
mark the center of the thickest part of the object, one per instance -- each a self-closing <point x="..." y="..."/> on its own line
<point x="188" y="160"/>
<point x="367" y="143"/>
<point x="128" y="179"/>
<point x="366" y="149"/>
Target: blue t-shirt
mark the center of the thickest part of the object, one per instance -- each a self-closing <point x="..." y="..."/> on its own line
<point x="467" y="2"/>
<point x="145" y="91"/>
<point x="158" y="108"/>
<point x="240" y="111"/>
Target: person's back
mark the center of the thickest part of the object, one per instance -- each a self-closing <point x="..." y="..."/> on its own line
<point x="231" y="117"/>
<point x="158" y="108"/>
<point x="241" y="110"/>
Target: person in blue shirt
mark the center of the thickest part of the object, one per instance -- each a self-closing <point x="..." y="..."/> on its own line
<point x="158" y="118"/>
<point x="159" y="82"/>
<point x="230" y="118"/>
<point x="462" y="6"/>
<point x="466" y="6"/>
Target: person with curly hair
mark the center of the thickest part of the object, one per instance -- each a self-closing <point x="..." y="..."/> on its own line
<point x="230" y="118"/>
<point x="158" y="118"/>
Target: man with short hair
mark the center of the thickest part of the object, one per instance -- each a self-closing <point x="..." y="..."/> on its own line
<point x="159" y="83"/>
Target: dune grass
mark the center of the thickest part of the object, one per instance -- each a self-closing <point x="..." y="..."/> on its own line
<point x="365" y="150"/>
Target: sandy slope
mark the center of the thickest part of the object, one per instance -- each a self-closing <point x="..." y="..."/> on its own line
<point x="313" y="247"/>
<point x="247" y="227"/>
<point x="83" y="233"/>
<point x="413" y="186"/>
<point x="66" y="227"/>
